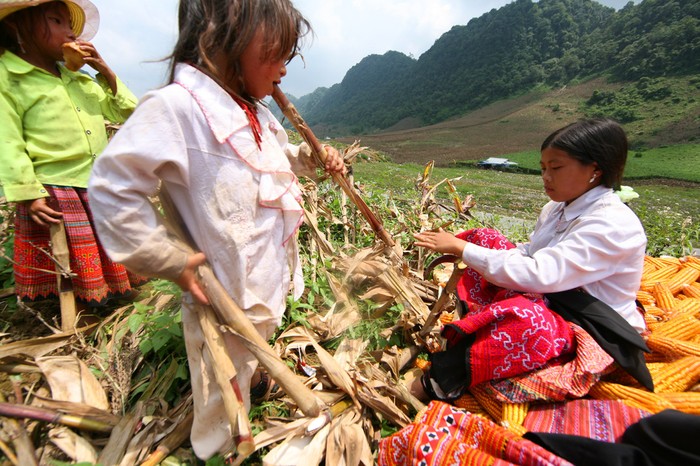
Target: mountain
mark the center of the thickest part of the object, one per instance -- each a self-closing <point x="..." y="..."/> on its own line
<point x="519" y="48"/>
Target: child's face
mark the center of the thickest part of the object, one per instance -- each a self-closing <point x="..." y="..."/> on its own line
<point x="260" y="76"/>
<point x="53" y="30"/>
<point x="564" y="177"/>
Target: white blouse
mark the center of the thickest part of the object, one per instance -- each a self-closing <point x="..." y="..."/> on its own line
<point x="241" y="203"/>
<point x="596" y="243"/>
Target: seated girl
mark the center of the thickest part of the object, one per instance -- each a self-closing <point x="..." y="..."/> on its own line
<point x="528" y="303"/>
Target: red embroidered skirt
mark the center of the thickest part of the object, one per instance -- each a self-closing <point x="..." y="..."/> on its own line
<point x="98" y="278"/>
<point x="505" y="333"/>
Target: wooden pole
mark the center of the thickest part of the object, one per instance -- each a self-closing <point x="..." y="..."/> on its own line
<point x="61" y="253"/>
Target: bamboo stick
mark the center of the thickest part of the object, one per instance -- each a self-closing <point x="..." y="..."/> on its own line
<point x="59" y="248"/>
<point x="47" y="415"/>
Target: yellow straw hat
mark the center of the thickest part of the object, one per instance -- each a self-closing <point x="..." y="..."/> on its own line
<point x="84" y="17"/>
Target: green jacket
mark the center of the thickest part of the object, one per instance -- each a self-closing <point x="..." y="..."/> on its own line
<point x="52" y="128"/>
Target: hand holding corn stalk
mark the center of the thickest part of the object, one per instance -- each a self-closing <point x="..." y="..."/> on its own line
<point x="320" y="153"/>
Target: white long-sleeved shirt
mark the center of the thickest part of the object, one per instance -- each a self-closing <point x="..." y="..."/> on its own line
<point x="240" y="203"/>
<point x="596" y="243"/>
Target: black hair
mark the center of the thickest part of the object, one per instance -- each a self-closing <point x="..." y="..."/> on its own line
<point x="24" y="20"/>
<point x="599" y="141"/>
<point x="212" y="29"/>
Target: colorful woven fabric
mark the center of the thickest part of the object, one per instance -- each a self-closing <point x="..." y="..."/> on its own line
<point x="98" y="278"/>
<point x="513" y="335"/>
<point x="604" y="420"/>
<point x="473" y="288"/>
<point x="560" y="379"/>
<point x="444" y="434"/>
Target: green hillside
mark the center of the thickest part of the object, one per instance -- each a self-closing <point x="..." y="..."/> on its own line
<point x="660" y="112"/>
<point x="522" y="48"/>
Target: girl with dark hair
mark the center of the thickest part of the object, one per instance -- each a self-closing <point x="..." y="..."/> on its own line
<point x="226" y="163"/>
<point x="586" y="251"/>
<point x="53" y="128"/>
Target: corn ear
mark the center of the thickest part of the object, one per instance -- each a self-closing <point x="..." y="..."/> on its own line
<point x="680" y="327"/>
<point x="663" y="273"/>
<point x="688" y="402"/>
<point x="663" y="296"/>
<point x="691" y="290"/>
<point x="676" y="376"/>
<point x="513" y="416"/>
<point x="684" y="276"/>
<point x="634" y="397"/>
<point x="672" y="348"/>
<point x="468" y="402"/>
<point x="492" y="406"/>
<point x="689" y="307"/>
<point x="645" y="297"/>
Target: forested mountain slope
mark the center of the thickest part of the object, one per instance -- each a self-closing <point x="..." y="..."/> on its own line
<point x="518" y="49"/>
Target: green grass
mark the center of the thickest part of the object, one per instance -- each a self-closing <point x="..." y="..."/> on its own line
<point x="679" y="162"/>
<point x="512" y="200"/>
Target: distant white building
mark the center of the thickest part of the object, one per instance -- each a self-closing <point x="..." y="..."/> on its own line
<point x="496" y="162"/>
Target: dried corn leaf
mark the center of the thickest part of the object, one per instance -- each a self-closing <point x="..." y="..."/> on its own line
<point x="37" y="347"/>
<point x="383" y="405"/>
<point x="280" y="432"/>
<point x="142" y="442"/>
<point x="349" y="351"/>
<point x="298" y="450"/>
<point x="122" y="434"/>
<point x="347" y="443"/>
<point x="76" y="409"/>
<point x="70" y="379"/>
<point x="73" y="445"/>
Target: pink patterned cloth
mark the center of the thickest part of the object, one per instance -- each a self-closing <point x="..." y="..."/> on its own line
<point x="604" y="420"/>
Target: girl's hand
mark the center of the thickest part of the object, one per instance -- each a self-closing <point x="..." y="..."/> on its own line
<point x="440" y="241"/>
<point x="41" y="213"/>
<point x="188" y="278"/>
<point x="334" y="162"/>
<point x="97" y="63"/>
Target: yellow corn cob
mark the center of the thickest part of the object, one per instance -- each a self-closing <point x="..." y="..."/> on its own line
<point x="654" y="315"/>
<point x="671" y="347"/>
<point x="676" y="376"/>
<point x="694" y="264"/>
<point x="691" y="290"/>
<point x="653" y="261"/>
<point x="515" y="413"/>
<point x="680" y="327"/>
<point x="468" y="402"/>
<point x="663" y="296"/>
<point x="645" y="297"/>
<point x="668" y="260"/>
<point x="648" y="268"/>
<point x="492" y="406"/>
<point x="422" y="364"/>
<point x="446" y="317"/>
<point x="634" y="397"/>
<point x="661" y="274"/>
<point x="684" y="276"/>
<point x="688" y="260"/>
<point x="688" y="402"/>
<point x="689" y="307"/>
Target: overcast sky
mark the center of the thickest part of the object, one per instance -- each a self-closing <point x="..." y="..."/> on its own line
<point x="135" y="35"/>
